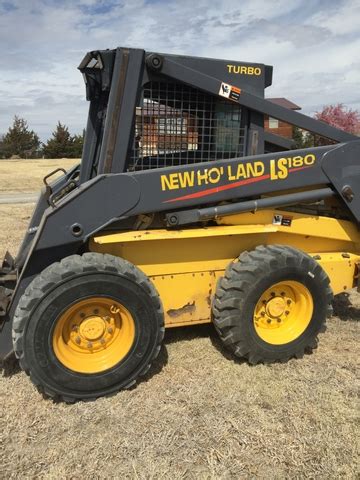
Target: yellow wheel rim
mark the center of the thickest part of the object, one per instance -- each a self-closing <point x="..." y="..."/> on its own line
<point x="93" y="335"/>
<point x="283" y="312"/>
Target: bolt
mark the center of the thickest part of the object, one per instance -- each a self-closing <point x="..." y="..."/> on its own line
<point x="288" y="302"/>
<point x="96" y="311"/>
<point x="279" y="320"/>
<point x="263" y="314"/>
<point x="102" y="341"/>
<point x="287" y="312"/>
<point x="78" y="340"/>
<point x="283" y="294"/>
<point x="110" y="330"/>
<point x="273" y="294"/>
<point x="173" y="220"/>
<point x="74" y="328"/>
<point x="89" y="345"/>
<point x="268" y="320"/>
<point x="264" y="302"/>
<point x="82" y="315"/>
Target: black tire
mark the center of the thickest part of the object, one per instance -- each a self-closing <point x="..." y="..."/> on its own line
<point x="241" y="288"/>
<point x="59" y="286"/>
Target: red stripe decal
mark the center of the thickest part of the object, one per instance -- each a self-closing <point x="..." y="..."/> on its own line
<point x="212" y="191"/>
<point x="296" y="169"/>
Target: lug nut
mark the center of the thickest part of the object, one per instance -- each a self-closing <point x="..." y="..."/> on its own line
<point x="287" y="312"/>
<point x="102" y="341"/>
<point x="78" y="340"/>
<point x="268" y="320"/>
<point x="107" y="319"/>
<point x="279" y="320"/>
<point x="82" y="315"/>
<point x="96" y="311"/>
<point x="74" y="328"/>
<point x="288" y="302"/>
<point x="263" y="314"/>
<point x="89" y="345"/>
<point x="110" y="330"/>
<point x="273" y="294"/>
<point x="283" y="294"/>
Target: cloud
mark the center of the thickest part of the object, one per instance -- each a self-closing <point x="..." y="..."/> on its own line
<point x="313" y="46"/>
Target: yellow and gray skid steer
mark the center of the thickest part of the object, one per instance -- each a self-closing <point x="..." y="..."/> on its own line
<point x="183" y="211"/>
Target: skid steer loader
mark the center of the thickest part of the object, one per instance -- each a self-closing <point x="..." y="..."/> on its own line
<point x="183" y="211"/>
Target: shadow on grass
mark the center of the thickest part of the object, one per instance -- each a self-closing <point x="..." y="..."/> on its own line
<point x="181" y="334"/>
<point x="344" y="309"/>
<point x="220" y="347"/>
<point x="10" y="367"/>
<point x="187" y="333"/>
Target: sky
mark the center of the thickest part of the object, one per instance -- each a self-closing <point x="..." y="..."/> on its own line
<point x="313" y="45"/>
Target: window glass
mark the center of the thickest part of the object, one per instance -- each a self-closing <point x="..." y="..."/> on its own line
<point x="273" y="122"/>
<point x="172" y="126"/>
<point x="227" y="128"/>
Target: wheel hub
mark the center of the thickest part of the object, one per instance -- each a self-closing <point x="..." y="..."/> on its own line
<point x="283" y="312"/>
<point x="275" y="307"/>
<point x="91" y="332"/>
<point x="92" y="328"/>
<point x="93" y="335"/>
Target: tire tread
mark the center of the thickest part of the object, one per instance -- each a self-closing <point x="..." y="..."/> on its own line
<point x="239" y="277"/>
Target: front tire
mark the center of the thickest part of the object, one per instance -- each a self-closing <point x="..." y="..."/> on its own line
<point x="87" y="327"/>
<point x="271" y="304"/>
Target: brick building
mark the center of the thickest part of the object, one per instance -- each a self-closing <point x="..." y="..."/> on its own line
<point x="161" y="128"/>
<point x="277" y="127"/>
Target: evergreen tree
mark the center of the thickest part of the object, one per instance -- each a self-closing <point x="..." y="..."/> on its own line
<point x="20" y="140"/>
<point x="62" y="144"/>
<point x="78" y="144"/>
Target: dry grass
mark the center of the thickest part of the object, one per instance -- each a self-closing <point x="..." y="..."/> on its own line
<point x="199" y="414"/>
<point x="14" y="220"/>
<point x="26" y="175"/>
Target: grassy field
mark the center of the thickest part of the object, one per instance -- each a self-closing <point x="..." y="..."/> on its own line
<point x="26" y="175"/>
<point x="198" y="414"/>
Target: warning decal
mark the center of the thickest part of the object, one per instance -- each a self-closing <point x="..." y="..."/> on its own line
<point x="228" y="91"/>
<point x="282" y="220"/>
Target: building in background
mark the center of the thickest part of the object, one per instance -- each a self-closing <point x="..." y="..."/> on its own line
<point x="161" y="128"/>
<point x="276" y="129"/>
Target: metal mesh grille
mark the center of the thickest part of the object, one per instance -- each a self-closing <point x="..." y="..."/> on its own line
<point x="177" y="125"/>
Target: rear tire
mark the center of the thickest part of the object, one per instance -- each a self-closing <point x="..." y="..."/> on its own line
<point x="271" y="304"/>
<point x="87" y="327"/>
